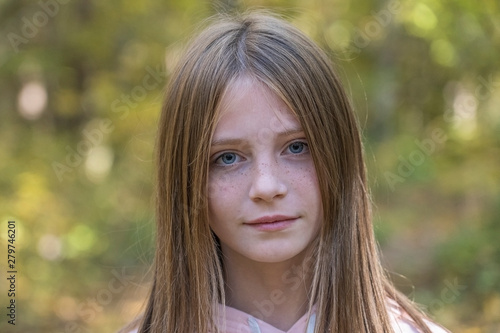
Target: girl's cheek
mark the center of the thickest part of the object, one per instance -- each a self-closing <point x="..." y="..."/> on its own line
<point x="225" y="182"/>
<point x="301" y="173"/>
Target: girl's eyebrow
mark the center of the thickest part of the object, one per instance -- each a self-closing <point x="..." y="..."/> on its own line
<point x="226" y="142"/>
<point x="237" y="141"/>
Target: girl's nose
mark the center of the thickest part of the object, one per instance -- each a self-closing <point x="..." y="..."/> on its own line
<point x="267" y="183"/>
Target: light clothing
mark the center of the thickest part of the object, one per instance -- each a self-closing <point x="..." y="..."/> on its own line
<point x="237" y="321"/>
<point x="403" y="324"/>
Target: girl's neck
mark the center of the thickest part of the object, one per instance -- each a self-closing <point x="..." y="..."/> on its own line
<point x="277" y="293"/>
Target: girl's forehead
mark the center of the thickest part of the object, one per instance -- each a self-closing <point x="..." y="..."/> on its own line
<point x="249" y="101"/>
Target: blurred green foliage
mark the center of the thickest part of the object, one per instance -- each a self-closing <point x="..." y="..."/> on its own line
<point x="80" y="91"/>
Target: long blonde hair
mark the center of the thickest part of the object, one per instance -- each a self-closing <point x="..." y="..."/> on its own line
<point x="349" y="288"/>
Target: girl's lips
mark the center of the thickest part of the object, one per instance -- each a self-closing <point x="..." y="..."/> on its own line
<point x="272" y="222"/>
<point x="271" y="219"/>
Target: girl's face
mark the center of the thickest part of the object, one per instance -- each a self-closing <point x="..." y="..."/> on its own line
<point x="264" y="199"/>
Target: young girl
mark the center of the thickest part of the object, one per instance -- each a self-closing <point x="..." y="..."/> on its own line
<point x="263" y="213"/>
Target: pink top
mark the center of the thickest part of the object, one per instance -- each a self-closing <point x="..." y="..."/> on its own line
<point x="236" y="321"/>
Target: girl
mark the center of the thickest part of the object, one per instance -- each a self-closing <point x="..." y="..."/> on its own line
<point x="263" y="214"/>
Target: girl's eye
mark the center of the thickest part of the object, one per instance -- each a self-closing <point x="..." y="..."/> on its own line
<point x="297" y="147"/>
<point x="227" y="159"/>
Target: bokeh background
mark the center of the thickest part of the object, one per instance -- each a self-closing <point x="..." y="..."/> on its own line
<point x="80" y="91"/>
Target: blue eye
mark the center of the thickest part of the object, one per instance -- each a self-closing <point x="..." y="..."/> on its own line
<point x="227" y="158"/>
<point x="297" y="147"/>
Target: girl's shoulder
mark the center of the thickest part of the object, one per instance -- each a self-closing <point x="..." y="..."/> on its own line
<point x="408" y="326"/>
<point x="402" y="323"/>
